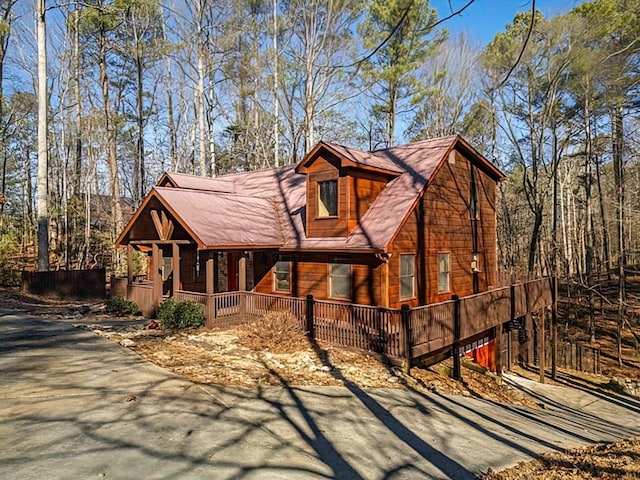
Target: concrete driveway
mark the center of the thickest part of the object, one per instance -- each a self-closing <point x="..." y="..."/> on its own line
<point x="73" y="405"/>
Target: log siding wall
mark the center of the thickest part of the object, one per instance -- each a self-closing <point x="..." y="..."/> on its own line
<point x="441" y="223"/>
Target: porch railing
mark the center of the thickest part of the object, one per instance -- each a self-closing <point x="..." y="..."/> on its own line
<point x="394" y="333"/>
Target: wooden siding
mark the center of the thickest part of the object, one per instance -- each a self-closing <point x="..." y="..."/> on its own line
<point x="441" y="223"/>
<point x="323" y="169"/>
<point x="310" y="276"/>
<point x="364" y="187"/>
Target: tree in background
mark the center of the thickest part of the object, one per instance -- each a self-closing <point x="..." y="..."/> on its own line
<point x="392" y="71"/>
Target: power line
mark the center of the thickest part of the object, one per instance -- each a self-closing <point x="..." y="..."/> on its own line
<point x="524" y="45"/>
<point x="395" y="29"/>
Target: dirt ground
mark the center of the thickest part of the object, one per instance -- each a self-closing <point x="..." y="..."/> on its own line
<point x="620" y="461"/>
<point x="274" y="352"/>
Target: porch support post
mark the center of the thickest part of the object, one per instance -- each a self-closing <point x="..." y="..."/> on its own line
<point x="156" y="275"/>
<point x="385" y="285"/>
<point x="455" y="348"/>
<point x="129" y="264"/>
<point x="209" y="276"/>
<point x="242" y="272"/>
<point x="209" y="287"/>
<point x="216" y="269"/>
<point x="498" y="348"/>
<point x="528" y="354"/>
<point x="175" y="266"/>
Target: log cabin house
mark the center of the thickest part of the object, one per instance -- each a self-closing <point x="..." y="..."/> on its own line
<point x="406" y="225"/>
<point x="410" y="225"/>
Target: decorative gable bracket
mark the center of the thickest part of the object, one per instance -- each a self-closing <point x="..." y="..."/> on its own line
<point x="164" y="225"/>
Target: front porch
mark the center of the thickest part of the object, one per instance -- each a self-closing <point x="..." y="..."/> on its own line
<point x="179" y="268"/>
<point x="400" y="336"/>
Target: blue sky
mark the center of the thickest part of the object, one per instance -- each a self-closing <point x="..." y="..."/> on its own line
<point x="484" y="18"/>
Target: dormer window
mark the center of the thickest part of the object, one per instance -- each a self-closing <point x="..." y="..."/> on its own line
<point x="328" y="198"/>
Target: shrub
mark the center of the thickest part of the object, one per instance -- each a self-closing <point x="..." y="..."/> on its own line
<point x="121" y="306"/>
<point x="166" y="310"/>
<point x="175" y="314"/>
<point x="278" y="332"/>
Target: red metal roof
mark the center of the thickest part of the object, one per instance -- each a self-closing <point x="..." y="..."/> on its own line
<point x="222" y="219"/>
<point x="268" y="207"/>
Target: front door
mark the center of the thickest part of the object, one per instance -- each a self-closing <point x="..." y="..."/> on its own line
<point x="232" y="271"/>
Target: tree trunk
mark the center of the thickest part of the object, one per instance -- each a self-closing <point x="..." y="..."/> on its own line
<point x="43" y="161"/>
<point x="589" y="234"/>
<point x="535" y="238"/>
<point x="200" y="100"/>
<point x="112" y="159"/>
<point x="77" y="171"/>
<point x="618" y="167"/>
<point x="276" y="126"/>
<point x="140" y="191"/>
<point x="603" y="217"/>
<point x="173" y="142"/>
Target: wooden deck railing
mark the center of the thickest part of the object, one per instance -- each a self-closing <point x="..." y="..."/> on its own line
<point x="394" y="333"/>
<point x="364" y="327"/>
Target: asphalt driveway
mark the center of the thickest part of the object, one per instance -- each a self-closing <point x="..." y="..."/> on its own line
<point x="74" y="405"/>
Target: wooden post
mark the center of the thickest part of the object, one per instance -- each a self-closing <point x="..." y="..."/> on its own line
<point x="129" y="264"/>
<point x="175" y="267"/>
<point x="528" y="325"/>
<point x="310" y="317"/>
<point x="405" y="319"/>
<point x="509" y="349"/>
<point x="156" y="275"/>
<point x="242" y="273"/>
<point x="512" y="319"/>
<point x="209" y="288"/>
<point x="385" y="284"/>
<point x="554" y="328"/>
<point x="498" y="349"/>
<point x="455" y="348"/>
<point x="216" y="269"/>
<point x="242" y="283"/>
<point x="541" y="344"/>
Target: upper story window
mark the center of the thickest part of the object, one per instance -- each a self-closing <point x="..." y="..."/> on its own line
<point x="443" y="273"/>
<point x="473" y="199"/>
<point x="328" y="198"/>
<point x="282" y="277"/>
<point x="407" y="276"/>
<point x="340" y="280"/>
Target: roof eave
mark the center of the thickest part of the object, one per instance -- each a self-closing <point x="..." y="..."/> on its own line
<point x="492" y="170"/>
<point x="239" y="246"/>
<point x="334" y="249"/>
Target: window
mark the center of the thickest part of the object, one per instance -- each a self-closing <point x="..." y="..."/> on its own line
<point x="473" y="200"/>
<point x="328" y="198"/>
<point x="443" y="272"/>
<point x="407" y="276"/>
<point x="282" y="277"/>
<point x="340" y="280"/>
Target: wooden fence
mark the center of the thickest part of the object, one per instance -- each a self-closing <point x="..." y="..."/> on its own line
<point x="394" y="333"/>
<point x="68" y="284"/>
<point x="142" y="294"/>
<point x="575" y="356"/>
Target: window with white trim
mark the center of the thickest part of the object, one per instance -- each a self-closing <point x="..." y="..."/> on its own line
<point x="443" y="273"/>
<point x="407" y="276"/>
<point x="282" y="277"/>
<point x="340" y="280"/>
